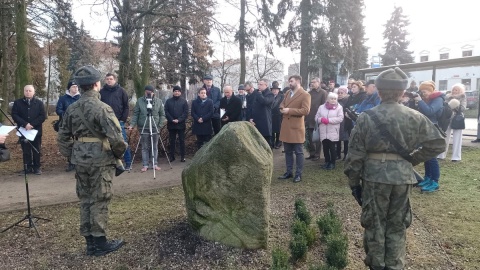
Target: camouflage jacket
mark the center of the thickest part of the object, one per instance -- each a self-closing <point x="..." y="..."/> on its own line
<point x="102" y="118"/>
<point x="410" y="128"/>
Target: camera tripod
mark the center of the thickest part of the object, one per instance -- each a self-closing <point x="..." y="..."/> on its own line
<point x="151" y="134"/>
<point x="29" y="216"/>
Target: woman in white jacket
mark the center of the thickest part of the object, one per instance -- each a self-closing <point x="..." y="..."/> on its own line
<point x="328" y="117"/>
<point x="458" y="102"/>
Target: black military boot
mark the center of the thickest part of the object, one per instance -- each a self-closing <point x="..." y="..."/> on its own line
<point x="103" y="247"/>
<point x="90" y="245"/>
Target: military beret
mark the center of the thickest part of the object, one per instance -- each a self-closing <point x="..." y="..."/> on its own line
<point x="177" y="88"/>
<point x="392" y="79"/>
<point x="241" y="87"/>
<point x="208" y="77"/>
<point x="149" y="88"/>
<point x="87" y="75"/>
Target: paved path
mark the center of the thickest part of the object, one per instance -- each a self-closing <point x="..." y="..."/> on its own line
<point x="53" y="186"/>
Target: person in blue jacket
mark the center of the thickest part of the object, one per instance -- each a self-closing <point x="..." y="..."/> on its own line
<point x="430" y="104"/>
<point x="71" y="95"/>
<point x="202" y="114"/>
<point x="372" y="99"/>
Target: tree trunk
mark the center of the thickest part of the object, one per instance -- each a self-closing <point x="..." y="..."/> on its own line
<point x="22" y="72"/>
<point x="125" y="44"/>
<point x="184" y="66"/>
<point x="4" y="55"/>
<point x="241" y="41"/>
<point x="305" y="40"/>
<point x="145" y="56"/>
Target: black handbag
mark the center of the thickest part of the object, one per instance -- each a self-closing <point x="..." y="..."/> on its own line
<point x="458" y="121"/>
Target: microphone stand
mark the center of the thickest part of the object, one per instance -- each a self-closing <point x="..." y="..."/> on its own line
<point x="29" y="216"/>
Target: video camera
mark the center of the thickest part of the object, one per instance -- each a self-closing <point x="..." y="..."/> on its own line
<point x="351" y="114"/>
<point x="413" y="94"/>
<point x="149" y="99"/>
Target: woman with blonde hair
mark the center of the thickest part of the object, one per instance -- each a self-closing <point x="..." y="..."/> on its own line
<point x="458" y="102"/>
<point x="430" y="104"/>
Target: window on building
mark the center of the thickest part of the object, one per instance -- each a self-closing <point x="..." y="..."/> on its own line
<point x="467" y="53"/>
<point x="424" y="58"/>
<point x="443" y="56"/>
<point x="442" y="84"/>
<point x="467" y="83"/>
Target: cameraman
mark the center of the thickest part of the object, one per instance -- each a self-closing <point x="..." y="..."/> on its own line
<point x="148" y="105"/>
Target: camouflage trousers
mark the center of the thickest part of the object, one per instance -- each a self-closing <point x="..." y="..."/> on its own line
<point x="94" y="189"/>
<point x="386" y="214"/>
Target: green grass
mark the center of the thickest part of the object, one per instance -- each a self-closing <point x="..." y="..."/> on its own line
<point x="471" y="113"/>
<point x="450" y="217"/>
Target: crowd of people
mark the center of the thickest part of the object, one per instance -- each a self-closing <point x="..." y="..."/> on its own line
<point x="374" y="120"/>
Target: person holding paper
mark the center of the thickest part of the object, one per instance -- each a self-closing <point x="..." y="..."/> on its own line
<point x="230" y="106"/>
<point x="29" y="112"/>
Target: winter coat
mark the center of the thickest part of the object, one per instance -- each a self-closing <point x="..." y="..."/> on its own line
<point x="330" y="131"/>
<point x="276" y="114"/>
<point x="433" y="106"/>
<point x="233" y="109"/>
<point x="117" y="98"/>
<point x="461" y="98"/>
<point x="293" y="123"/>
<point x="204" y="110"/>
<point x="343" y="133"/>
<point x="352" y="103"/>
<point x="318" y="96"/>
<point x="262" y="111"/>
<point x="250" y="98"/>
<point x="140" y="112"/>
<point x="369" y="102"/>
<point x="33" y="113"/>
<point x="176" y="108"/>
<point x="215" y="95"/>
<point x="65" y="101"/>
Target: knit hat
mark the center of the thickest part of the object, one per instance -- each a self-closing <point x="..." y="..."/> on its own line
<point x="87" y="75"/>
<point x="392" y="79"/>
<point x="70" y="83"/>
<point x="427" y="85"/>
<point x="177" y="88"/>
<point x="241" y="87"/>
<point x="149" y="88"/>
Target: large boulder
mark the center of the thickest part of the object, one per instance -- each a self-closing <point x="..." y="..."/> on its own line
<point x="227" y="187"/>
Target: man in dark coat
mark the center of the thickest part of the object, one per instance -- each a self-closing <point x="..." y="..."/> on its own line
<point x="276" y="115"/>
<point x="261" y="110"/>
<point x="250" y="97"/>
<point x="71" y="95"/>
<point x="243" y="98"/>
<point x="114" y="95"/>
<point x="318" y="97"/>
<point x="176" y="111"/>
<point x="215" y="95"/>
<point x="231" y="105"/>
<point x="28" y="112"/>
<point x="202" y="112"/>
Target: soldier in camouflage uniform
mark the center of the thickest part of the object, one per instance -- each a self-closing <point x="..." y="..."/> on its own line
<point x="387" y="178"/>
<point x="94" y="153"/>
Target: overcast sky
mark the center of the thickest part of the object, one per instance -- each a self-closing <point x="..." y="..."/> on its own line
<point x="432" y="23"/>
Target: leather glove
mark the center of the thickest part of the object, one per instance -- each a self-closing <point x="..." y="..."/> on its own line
<point x="357" y="194"/>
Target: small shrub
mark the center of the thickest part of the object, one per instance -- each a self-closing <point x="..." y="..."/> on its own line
<point x="301" y="212"/>
<point x="279" y="260"/>
<point x="337" y="251"/>
<point x="298" y="247"/>
<point x="299" y="227"/>
<point x="329" y="223"/>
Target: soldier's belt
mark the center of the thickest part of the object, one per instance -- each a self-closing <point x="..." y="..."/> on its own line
<point x="385" y="156"/>
<point x="105" y="144"/>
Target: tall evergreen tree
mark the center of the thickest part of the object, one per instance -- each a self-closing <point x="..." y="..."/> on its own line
<point x="396" y="46"/>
